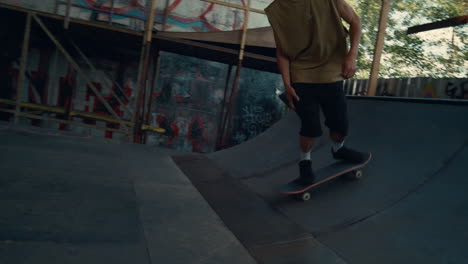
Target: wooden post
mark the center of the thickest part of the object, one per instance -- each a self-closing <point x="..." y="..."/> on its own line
<point x="451" y="67"/>
<point x="111" y="12"/>
<point x="56" y="6"/>
<point x="154" y="83"/>
<point x="379" y="45"/>
<point x="75" y="65"/>
<point x="150" y="25"/>
<point x="22" y="71"/>
<point x="143" y="74"/>
<point x="69" y="109"/>
<point x="66" y="22"/>
<point x="233" y="97"/>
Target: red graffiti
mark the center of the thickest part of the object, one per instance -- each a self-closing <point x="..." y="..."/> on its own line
<point x="107" y="6"/>
<point x="172" y="131"/>
<point x="196" y="134"/>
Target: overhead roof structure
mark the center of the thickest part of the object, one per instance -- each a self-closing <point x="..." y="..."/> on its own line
<point x="223" y="46"/>
<point x="258" y="37"/>
<point x="215" y="46"/>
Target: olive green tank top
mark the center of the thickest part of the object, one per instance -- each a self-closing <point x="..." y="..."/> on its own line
<point x="312" y="36"/>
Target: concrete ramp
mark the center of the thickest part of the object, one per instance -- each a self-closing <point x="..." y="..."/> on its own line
<point x="72" y="199"/>
<point x="410" y="206"/>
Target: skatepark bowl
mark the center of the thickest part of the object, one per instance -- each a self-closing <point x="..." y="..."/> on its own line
<point x="72" y="199"/>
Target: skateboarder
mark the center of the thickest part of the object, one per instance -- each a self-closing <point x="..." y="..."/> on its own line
<point x="314" y="59"/>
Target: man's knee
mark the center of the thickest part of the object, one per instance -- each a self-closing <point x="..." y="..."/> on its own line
<point x="337" y="136"/>
<point x="306" y="143"/>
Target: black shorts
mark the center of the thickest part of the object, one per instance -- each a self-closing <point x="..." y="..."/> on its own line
<point x="329" y="97"/>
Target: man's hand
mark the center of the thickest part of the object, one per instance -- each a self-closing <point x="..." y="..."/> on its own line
<point x="348" y="69"/>
<point x="291" y="95"/>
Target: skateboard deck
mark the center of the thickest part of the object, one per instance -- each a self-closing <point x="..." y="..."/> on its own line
<point x="323" y="175"/>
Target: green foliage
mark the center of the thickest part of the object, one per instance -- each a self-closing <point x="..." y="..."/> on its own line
<point x="413" y="55"/>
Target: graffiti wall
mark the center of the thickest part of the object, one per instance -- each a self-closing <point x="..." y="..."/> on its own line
<point x="50" y="80"/>
<point x="444" y="88"/>
<point x="187" y="102"/>
<point x="178" y="15"/>
<point x="258" y="106"/>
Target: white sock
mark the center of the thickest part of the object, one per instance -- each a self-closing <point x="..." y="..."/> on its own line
<point x="337" y="145"/>
<point x="305" y="155"/>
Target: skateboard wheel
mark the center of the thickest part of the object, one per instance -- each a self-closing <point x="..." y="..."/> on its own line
<point x="354" y="175"/>
<point x="304" y="196"/>
<point x="358" y="174"/>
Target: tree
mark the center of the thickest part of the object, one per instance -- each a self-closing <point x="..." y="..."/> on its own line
<point x="413" y="55"/>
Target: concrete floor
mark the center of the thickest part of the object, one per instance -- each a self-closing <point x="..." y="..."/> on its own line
<point x="66" y="199"/>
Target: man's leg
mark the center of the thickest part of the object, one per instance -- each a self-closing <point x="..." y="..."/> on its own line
<point x="308" y="110"/>
<point x="334" y="107"/>
<point x="306" y="144"/>
<point x="338" y="140"/>
<point x="306" y="174"/>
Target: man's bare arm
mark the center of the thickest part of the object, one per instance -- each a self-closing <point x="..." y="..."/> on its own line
<point x="350" y="16"/>
<point x="283" y="65"/>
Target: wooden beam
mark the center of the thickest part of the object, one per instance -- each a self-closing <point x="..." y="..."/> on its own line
<point x="452" y="22"/>
<point x="150" y="22"/>
<point x="78" y="69"/>
<point x="379" y="46"/>
<point x="22" y="71"/>
<point x="52" y="109"/>
<point x="216" y="48"/>
<point x="66" y="22"/>
<point x="246" y="8"/>
<point x="262" y="37"/>
<point x="75" y="113"/>
<point x="244" y="34"/>
<point x="63" y="121"/>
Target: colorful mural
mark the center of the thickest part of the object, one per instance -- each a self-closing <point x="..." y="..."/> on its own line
<point x="187" y="103"/>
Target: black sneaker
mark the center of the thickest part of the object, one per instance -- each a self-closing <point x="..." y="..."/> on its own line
<point x="350" y="155"/>
<point x="306" y="175"/>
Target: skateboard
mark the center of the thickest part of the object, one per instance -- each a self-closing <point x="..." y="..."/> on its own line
<point x="325" y="174"/>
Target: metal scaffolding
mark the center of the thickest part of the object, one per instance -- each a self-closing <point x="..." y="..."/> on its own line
<point x="125" y="125"/>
